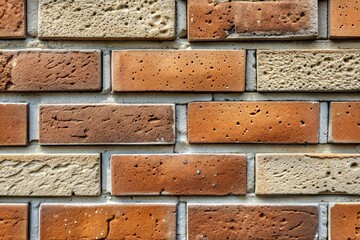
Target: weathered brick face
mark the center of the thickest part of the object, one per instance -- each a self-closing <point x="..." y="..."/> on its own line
<point x="14" y="221"/>
<point x="12" y="19"/>
<point x="344" y="19"/>
<point x="13" y="124"/>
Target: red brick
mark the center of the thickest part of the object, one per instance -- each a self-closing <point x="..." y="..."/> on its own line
<point x="178" y="174"/>
<point x="125" y="221"/>
<point x="252" y="222"/>
<point x="106" y="124"/>
<point x="12" y="19"/>
<point x="344" y="221"/>
<point x="14" y="221"/>
<point x="50" y="71"/>
<point x="253" y="122"/>
<point x="345" y="122"/>
<point x="195" y="71"/>
<point x="13" y="125"/>
<point x="229" y="20"/>
<point x="344" y="19"/>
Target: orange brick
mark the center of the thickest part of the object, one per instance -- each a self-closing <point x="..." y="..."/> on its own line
<point x="125" y="221"/>
<point x="106" y="124"/>
<point x="195" y="71"/>
<point x="345" y="122"/>
<point x="14" y="221"/>
<point x="252" y="222"/>
<point x="344" y="221"/>
<point x="253" y="122"/>
<point x="178" y="174"/>
<point x="12" y="19"/>
<point x="344" y="19"/>
<point x="13" y="125"/>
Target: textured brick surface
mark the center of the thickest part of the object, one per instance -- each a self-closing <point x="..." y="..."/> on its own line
<point x="245" y="222"/>
<point x="91" y="19"/>
<point x="49" y="175"/>
<point x="196" y="70"/>
<point x="136" y="221"/>
<point x="50" y="71"/>
<point x="344" y="122"/>
<point x="12" y="19"/>
<point x="178" y="174"/>
<point x="229" y="20"/>
<point x="253" y="122"/>
<point x="344" y="19"/>
<point x="307" y="174"/>
<point x="106" y="124"/>
<point x="344" y="221"/>
<point x="14" y="221"/>
<point x="13" y="124"/>
<point x="308" y="70"/>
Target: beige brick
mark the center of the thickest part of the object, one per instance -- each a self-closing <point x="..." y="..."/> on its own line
<point x="307" y="174"/>
<point x="12" y="19"/>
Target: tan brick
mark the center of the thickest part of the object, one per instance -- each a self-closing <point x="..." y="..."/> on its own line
<point x="14" y="221"/>
<point x="12" y="19"/>
<point x="178" y="174"/>
<point x="344" y="122"/>
<point x="344" y="19"/>
<point x="50" y="175"/>
<point x="344" y="221"/>
<point x="307" y="174"/>
<point x="106" y="124"/>
<point x="50" y="71"/>
<point x="13" y="124"/>
<point x="107" y="20"/>
<point x="252" y="222"/>
<point x="253" y="122"/>
<point x="233" y="20"/>
<point x="195" y="71"/>
<point x="120" y="221"/>
<point x="308" y="70"/>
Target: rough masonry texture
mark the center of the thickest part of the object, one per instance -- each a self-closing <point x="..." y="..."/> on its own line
<point x="308" y="70"/>
<point x="344" y="19"/>
<point x="344" y="221"/>
<point x="252" y="222"/>
<point x="195" y="71"/>
<point x="108" y="221"/>
<point x="344" y="122"/>
<point x="14" y="221"/>
<point x="258" y="19"/>
<point x="307" y="174"/>
<point x="49" y="175"/>
<point x="50" y="71"/>
<point x="106" y="20"/>
<point x="253" y="122"/>
<point x="13" y="124"/>
<point x="106" y="124"/>
<point x="12" y="19"/>
<point x="178" y="174"/>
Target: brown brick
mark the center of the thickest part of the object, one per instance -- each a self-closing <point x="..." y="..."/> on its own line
<point x="106" y="124"/>
<point x="50" y="71"/>
<point x="253" y="122"/>
<point x="344" y="19"/>
<point x="195" y="71"/>
<point x="345" y="122"/>
<point x="120" y="221"/>
<point x="252" y="222"/>
<point x="229" y="20"/>
<point x="12" y="19"/>
<point x="344" y="221"/>
<point x="14" y="221"/>
<point x="13" y="125"/>
<point x="178" y="174"/>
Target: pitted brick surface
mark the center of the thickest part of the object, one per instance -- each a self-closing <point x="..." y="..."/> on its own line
<point x="14" y="221"/>
<point x="13" y="124"/>
<point x="344" y="221"/>
<point x="307" y="174"/>
<point x="178" y="174"/>
<point x="12" y="19"/>
<point x="308" y="70"/>
<point x="111" y="19"/>
<point x="344" y="19"/>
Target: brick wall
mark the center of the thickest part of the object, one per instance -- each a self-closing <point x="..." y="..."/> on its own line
<point x="174" y="119"/>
